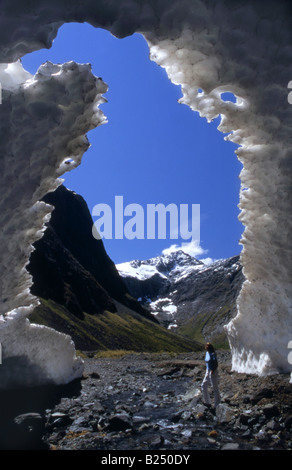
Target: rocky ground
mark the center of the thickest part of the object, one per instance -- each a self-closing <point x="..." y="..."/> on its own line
<point x="151" y="402"/>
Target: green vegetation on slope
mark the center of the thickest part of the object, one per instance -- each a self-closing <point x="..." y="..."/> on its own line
<point x="122" y="330"/>
<point x="205" y="327"/>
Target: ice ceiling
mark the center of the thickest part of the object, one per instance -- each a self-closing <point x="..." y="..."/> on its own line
<point x="208" y="47"/>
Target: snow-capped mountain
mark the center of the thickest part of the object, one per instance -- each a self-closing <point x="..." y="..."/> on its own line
<point x="185" y="294"/>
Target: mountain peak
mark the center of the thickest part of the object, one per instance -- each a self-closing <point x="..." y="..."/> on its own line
<point x="167" y="264"/>
<point x="181" y="290"/>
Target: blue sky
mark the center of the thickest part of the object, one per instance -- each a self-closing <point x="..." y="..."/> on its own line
<point x="153" y="149"/>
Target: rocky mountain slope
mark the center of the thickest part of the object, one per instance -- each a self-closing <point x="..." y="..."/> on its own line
<point x="81" y="291"/>
<point x="185" y="294"/>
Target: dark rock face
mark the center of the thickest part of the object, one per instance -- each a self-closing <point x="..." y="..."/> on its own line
<point x="148" y="288"/>
<point x="57" y="275"/>
<point x="70" y="266"/>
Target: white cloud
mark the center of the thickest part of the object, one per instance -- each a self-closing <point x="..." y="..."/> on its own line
<point x="192" y="248"/>
<point x="208" y="261"/>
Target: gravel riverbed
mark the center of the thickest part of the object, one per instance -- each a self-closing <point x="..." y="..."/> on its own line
<point x="151" y="402"/>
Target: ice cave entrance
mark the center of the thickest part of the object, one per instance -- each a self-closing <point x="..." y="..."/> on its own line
<point x="153" y="149"/>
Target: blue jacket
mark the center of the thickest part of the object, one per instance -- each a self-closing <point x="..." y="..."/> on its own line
<point x="211" y="361"/>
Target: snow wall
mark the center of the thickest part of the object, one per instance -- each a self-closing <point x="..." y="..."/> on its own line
<point x="208" y="47"/>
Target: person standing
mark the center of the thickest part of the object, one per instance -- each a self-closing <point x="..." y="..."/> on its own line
<point x="211" y="376"/>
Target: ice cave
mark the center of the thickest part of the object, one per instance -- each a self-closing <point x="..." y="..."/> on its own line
<point x="208" y="47"/>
